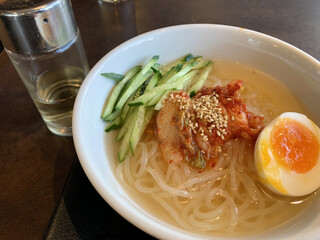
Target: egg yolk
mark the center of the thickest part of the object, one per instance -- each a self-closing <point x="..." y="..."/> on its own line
<point x="294" y="146"/>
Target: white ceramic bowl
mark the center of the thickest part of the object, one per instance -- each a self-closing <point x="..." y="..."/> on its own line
<point x="297" y="70"/>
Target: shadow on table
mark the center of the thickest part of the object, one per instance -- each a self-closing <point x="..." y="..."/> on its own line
<point x="82" y="214"/>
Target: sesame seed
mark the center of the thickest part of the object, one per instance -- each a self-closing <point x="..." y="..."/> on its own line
<point x="205" y="110"/>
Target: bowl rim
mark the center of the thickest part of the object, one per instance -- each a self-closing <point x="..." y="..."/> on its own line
<point x="132" y="215"/>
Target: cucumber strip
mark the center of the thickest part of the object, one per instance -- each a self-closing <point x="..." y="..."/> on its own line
<point x="125" y="144"/>
<point x="112" y="116"/>
<point x="196" y="59"/>
<point x="142" y="118"/>
<point x="153" y="81"/>
<point x="168" y="75"/>
<point x="137" y="127"/>
<point x="141" y="77"/>
<point x="136" y="135"/>
<point x="124" y="147"/>
<point x="113" y="125"/>
<point x="187" y="57"/>
<point x="156" y="99"/>
<point x="131" y="131"/>
<point x="195" y="87"/>
<point x="187" y="79"/>
<point x="115" y="93"/>
<point x="150" y="64"/>
<point x="155" y="67"/>
<point x="182" y="60"/>
<point x="183" y="82"/>
<point x="179" y="84"/>
<point x="173" y="78"/>
<point x="145" y="98"/>
<point x="179" y="67"/>
<point x="132" y="88"/>
<point x="127" y="122"/>
<point x="161" y="101"/>
<point x="147" y="118"/>
<point x="184" y="70"/>
<point x="139" y="91"/>
<point x="202" y="64"/>
<point x="125" y="109"/>
<point x="114" y="76"/>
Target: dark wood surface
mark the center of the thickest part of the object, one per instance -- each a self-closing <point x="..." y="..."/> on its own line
<point x="34" y="164"/>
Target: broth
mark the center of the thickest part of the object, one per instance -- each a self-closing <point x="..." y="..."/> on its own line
<point x="267" y="89"/>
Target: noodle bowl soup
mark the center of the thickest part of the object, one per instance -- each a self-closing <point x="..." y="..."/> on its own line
<point x="226" y="200"/>
<point x="173" y="201"/>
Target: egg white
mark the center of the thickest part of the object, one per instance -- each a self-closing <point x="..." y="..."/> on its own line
<point x="278" y="178"/>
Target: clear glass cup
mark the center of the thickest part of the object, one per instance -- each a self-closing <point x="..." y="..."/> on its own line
<point x="53" y="80"/>
<point x="44" y="44"/>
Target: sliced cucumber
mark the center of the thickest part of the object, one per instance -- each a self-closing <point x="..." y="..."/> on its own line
<point x="140" y="78"/>
<point x="113" y="125"/>
<point x="195" y="87"/>
<point x="182" y="60"/>
<point x="156" y="98"/>
<point x="114" y="76"/>
<point x="137" y="127"/>
<point x="160" y="102"/>
<point x="202" y="64"/>
<point x="155" y="67"/>
<point x="132" y="88"/>
<point x="150" y="64"/>
<point x="129" y="106"/>
<point x="145" y="98"/>
<point x="123" y="130"/>
<point x="112" y="116"/>
<point x="168" y="75"/>
<point x="144" y="116"/>
<point x="115" y="93"/>
<point x="124" y="147"/>
<point x="181" y="83"/>
<point x="180" y="72"/>
<point x="153" y="81"/>
<point x="126" y="108"/>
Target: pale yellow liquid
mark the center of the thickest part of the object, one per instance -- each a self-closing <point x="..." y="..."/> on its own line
<point x="56" y="93"/>
<point x="274" y="92"/>
<point x="266" y="86"/>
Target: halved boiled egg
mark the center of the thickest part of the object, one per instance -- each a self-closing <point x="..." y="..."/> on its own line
<point x="287" y="155"/>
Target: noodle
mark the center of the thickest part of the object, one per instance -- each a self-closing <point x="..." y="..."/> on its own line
<point x="201" y="200"/>
<point x="224" y="199"/>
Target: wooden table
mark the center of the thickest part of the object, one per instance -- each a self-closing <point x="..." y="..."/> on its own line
<point x="34" y="163"/>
